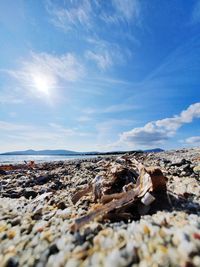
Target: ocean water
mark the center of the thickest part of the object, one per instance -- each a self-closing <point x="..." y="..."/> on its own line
<point x="12" y="159"/>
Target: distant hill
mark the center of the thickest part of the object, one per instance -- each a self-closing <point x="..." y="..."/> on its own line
<point x="153" y="150"/>
<point x="62" y="152"/>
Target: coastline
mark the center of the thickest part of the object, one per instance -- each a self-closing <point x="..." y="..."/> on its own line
<point x="19" y="159"/>
<point x="37" y="212"/>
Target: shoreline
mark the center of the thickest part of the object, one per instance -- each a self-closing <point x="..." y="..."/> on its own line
<point x="38" y="160"/>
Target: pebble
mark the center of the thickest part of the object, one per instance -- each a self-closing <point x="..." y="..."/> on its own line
<point x="64" y="214"/>
<point x="12" y="262"/>
<point x="197" y="169"/>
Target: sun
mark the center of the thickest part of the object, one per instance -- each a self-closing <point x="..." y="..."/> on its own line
<point x="42" y="83"/>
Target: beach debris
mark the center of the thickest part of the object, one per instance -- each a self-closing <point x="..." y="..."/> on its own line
<point x="147" y="199"/>
<point x="10" y="167"/>
<point x="30" y="164"/>
<point x="81" y="193"/>
<point x="125" y="185"/>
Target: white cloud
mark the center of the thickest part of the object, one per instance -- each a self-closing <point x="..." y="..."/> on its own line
<point x="42" y="73"/>
<point x="106" y="54"/>
<point x="156" y="132"/>
<point x="127" y="9"/>
<point x="86" y="17"/>
<point x="72" y="15"/>
<point x="119" y="108"/>
<point x="108" y="80"/>
<point x="110" y="109"/>
<point x="102" y="60"/>
<point x="193" y="140"/>
<point x="66" y="66"/>
<point x="122" y="11"/>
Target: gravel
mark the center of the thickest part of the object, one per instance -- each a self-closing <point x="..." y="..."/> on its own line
<point x="36" y="214"/>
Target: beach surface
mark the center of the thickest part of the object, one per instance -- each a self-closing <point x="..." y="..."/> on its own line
<point x="37" y="214"/>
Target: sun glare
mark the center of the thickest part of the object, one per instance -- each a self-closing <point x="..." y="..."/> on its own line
<point x="42" y="83"/>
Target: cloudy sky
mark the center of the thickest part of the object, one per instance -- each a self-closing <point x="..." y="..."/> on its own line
<point x="99" y="74"/>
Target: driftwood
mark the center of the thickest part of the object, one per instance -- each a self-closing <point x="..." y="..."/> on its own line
<point x="81" y="193"/>
<point x="150" y="180"/>
<point x="100" y="211"/>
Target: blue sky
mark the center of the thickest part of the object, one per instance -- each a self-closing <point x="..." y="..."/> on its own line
<point x="99" y="75"/>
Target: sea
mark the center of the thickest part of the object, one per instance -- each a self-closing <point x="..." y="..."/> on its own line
<point x="13" y="159"/>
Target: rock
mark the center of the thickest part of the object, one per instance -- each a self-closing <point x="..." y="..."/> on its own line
<point x="12" y="262"/>
<point x="15" y="221"/>
<point x="29" y="193"/>
<point x="78" y="165"/>
<point x="56" y="185"/>
<point x="53" y="249"/>
<point x="120" y="160"/>
<point x="64" y="214"/>
<point x="12" y="194"/>
<point x="187" y="168"/>
<point x="166" y="161"/>
<point x="42" y="180"/>
<point x="196" y="169"/>
<point x="61" y="205"/>
<point x="2" y="172"/>
<point x="37" y="214"/>
<point x="11" y="234"/>
<point x="183" y="173"/>
<point x="179" y="163"/>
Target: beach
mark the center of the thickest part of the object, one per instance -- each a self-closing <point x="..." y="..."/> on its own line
<point x="37" y="214"/>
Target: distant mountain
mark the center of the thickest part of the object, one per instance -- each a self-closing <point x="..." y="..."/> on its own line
<point x="153" y="150"/>
<point x="62" y="152"/>
<point x="42" y="152"/>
